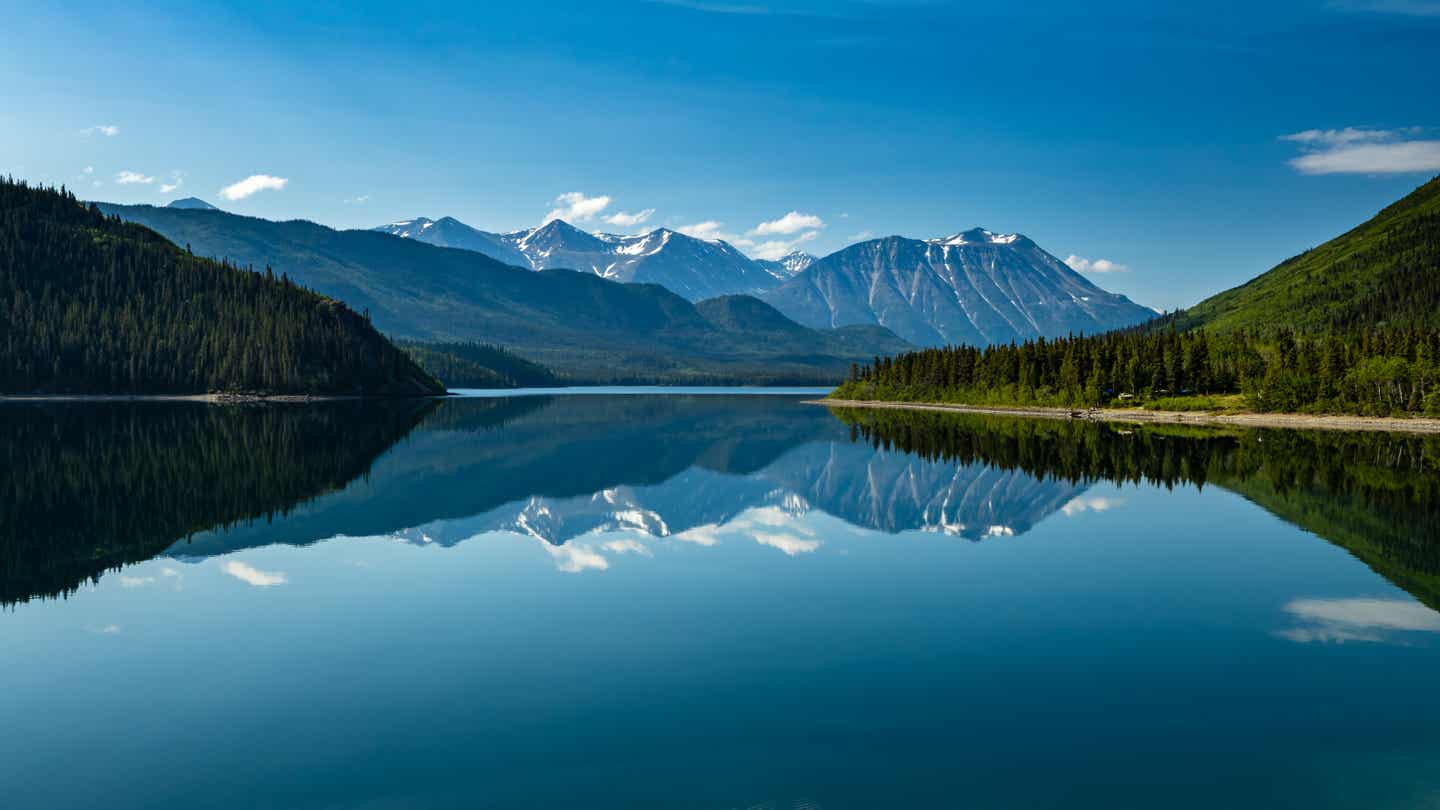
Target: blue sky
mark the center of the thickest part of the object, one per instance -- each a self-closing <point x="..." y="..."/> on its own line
<point x="1147" y="135"/>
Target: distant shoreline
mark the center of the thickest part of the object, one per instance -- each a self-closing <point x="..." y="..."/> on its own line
<point x="210" y="399"/>
<point x="1270" y="420"/>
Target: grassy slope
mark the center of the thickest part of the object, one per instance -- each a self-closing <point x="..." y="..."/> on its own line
<point x="1363" y="272"/>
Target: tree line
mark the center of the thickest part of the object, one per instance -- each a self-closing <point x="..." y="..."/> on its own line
<point x="1373" y="371"/>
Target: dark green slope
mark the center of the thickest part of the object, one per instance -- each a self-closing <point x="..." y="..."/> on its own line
<point x="478" y="365"/>
<point x="582" y="326"/>
<point x="90" y="304"/>
<point x="1385" y="272"/>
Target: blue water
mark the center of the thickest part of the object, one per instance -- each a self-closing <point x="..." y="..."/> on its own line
<point x="730" y="602"/>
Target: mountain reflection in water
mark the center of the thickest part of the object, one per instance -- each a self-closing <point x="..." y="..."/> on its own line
<point x="95" y="487"/>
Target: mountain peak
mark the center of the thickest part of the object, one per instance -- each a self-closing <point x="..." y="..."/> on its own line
<point x="192" y="203"/>
<point x="979" y="236"/>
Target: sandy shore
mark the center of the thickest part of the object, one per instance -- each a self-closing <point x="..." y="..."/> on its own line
<point x="1272" y="420"/>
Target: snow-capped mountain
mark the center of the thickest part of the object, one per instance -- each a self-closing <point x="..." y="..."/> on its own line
<point x="788" y="266"/>
<point x="976" y="287"/>
<point x="694" y="268"/>
<point x="452" y="233"/>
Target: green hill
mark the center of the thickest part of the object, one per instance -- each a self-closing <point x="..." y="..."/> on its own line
<point x="583" y="327"/>
<point x="1383" y="273"/>
<point x="90" y="304"/>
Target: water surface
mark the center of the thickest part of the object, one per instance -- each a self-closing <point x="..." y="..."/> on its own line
<point x="709" y="601"/>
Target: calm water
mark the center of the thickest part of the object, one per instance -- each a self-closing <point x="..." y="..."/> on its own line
<point x="708" y="602"/>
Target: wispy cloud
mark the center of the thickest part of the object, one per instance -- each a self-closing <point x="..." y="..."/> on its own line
<point x="1091" y="504"/>
<point x="126" y="178"/>
<point x="575" y="206"/>
<point x="1080" y="264"/>
<point x="709" y="229"/>
<point x="253" y="184"/>
<point x="254" y="576"/>
<point x="627" y="220"/>
<point x="791" y="223"/>
<point x="572" y="558"/>
<point x="1362" y="150"/>
<point x="1358" y="619"/>
<point x="357" y="200"/>
<point x="1346" y="136"/>
<point x="627" y="545"/>
<point x="177" y="179"/>
<point x="108" y="130"/>
<point x="775" y="248"/>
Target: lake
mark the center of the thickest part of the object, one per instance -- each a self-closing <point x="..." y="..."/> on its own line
<point x="709" y="600"/>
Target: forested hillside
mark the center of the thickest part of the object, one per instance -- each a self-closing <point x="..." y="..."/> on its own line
<point x="478" y="365"/>
<point x="1385" y="272"/>
<point x="90" y="304"/>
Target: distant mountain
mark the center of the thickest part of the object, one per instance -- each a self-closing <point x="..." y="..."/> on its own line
<point x="693" y="268"/>
<point x="193" y="203"/>
<point x="975" y="287"/>
<point x="1384" y="272"/>
<point x="104" y="307"/>
<point x="451" y="232"/>
<point x="579" y="325"/>
<point x="787" y="266"/>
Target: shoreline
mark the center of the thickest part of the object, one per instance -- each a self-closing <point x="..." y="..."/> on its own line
<point x="208" y="399"/>
<point x="1297" y="421"/>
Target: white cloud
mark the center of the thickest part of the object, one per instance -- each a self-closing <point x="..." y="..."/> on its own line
<point x="359" y="200"/>
<point x="109" y="629"/>
<point x="709" y="229"/>
<point x="254" y="576"/>
<point x="1358" y="619"/>
<point x="1092" y="504"/>
<point x="706" y="535"/>
<point x="177" y="179"/>
<point x="1375" y="158"/>
<point x="1080" y="264"/>
<point x="862" y="236"/>
<point x="787" y="543"/>
<point x="627" y="220"/>
<point x="572" y="558"/>
<point x="136" y="582"/>
<point x="252" y="184"/>
<point x="88" y="170"/>
<point x="1361" y="150"/>
<point x="793" y="222"/>
<point x="128" y="177"/>
<point x="627" y="546"/>
<point x="108" y="130"/>
<point x="574" y="206"/>
<point x="775" y="248"/>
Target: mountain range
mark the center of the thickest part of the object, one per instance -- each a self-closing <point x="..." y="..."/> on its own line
<point x="975" y="287"/>
<point x="584" y="327"/>
<point x="693" y="268"/>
